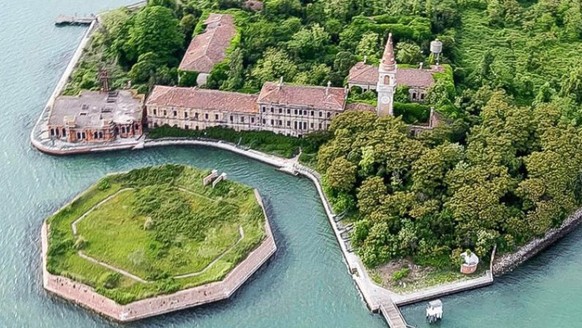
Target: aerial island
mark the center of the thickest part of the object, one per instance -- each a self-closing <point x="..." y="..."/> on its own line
<point x="155" y="240"/>
<point x="442" y="136"/>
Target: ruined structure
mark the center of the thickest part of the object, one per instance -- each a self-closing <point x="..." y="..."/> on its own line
<point x="281" y="108"/>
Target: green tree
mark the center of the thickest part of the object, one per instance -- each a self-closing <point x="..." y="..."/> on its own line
<point x="273" y="65"/>
<point x="155" y="30"/>
<point x="236" y="78"/>
<point x="368" y="46"/>
<point x="408" y="53"/>
<point x="341" y="175"/>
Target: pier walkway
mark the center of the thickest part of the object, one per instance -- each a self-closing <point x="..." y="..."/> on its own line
<point x="392" y="314"/>
<point x="74" y="20"/>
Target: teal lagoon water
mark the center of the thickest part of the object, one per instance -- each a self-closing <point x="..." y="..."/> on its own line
<point x="305" y="285"/>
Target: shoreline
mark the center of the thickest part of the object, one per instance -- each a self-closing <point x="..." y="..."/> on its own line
<point x="86" y="296"/>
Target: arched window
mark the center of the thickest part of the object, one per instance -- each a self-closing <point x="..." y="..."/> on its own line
<point x="386" y="79"/>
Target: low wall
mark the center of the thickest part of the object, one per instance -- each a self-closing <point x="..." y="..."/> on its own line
<point x="510" y="261"/>
<point x="87" y="297"/>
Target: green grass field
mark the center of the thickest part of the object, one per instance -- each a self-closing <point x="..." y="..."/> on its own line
<point x="159" y="224"/>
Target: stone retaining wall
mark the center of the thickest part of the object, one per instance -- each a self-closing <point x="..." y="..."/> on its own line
<point x="87" y="297"/>
<point x="510" y="261"/>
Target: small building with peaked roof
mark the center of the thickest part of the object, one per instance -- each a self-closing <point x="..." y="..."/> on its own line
<point x="209" y="48"/>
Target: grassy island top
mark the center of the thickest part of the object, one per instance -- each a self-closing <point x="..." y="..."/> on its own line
<point x="152" y="231"/>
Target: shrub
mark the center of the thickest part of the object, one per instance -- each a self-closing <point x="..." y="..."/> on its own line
<point x="400" y="274"/>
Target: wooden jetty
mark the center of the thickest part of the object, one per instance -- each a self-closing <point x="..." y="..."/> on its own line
<point x="392" y="314"/>
<point x="63" y="20"/>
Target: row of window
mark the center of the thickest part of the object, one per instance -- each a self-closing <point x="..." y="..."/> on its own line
<point x="303" y="112"/>
<point x="296" y="125"/>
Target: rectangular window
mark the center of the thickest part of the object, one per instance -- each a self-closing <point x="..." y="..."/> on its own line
<point x="288" y="123"/>
<point x="264" y="109"/>
<point x="231" y="118"/>
<point x="206" y="116"/>
<point x="252" y="120"/>
<point x="320" y="126"/>
<point x="288" y="111"/>
<point x="280" y="110"/>
<point x="328" y="114"/>
<point x="320" y="114"/>
<point x="312" y="112"/>
<point x="304" y="125"/>
<point x="280" y="122"/>
<point x="295" y="124"/>
<point x="186" y="127"/>
<point x="175" y="113"/>
<point x="216" y="117"/>
<point x="165" y="113"/>
<point x="195" y="116"/>
<point x="185" y="114"/>
<point x="242" y="119"/>
<point x="264" y="121"/>
<point x="155" y="112"/>
<point x="272" y="110"/>
<point x="296" y="112"/>
<point x="272" y="122"/>
<point x="311" y="125"/>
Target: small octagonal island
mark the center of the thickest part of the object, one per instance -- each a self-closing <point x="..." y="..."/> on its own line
<point x="155" y="240"/>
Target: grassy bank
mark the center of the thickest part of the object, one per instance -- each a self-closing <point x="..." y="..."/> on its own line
<point x="156" y="223"/>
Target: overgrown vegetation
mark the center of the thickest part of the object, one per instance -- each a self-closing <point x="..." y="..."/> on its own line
<point x="190" y="227"/>
<point x="265" y="141"/>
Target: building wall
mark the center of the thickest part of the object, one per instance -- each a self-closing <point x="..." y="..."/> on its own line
<point x="294" y="121"/>
<point x="200" y="119"/>
<point x="279" y="119"/>
<point x="90" y="134"/>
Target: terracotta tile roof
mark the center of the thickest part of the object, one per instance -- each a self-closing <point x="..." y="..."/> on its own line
<point x="202" y="99"/>
<point x="413" y="77"/>
<point x="363" y="74"/>
<point x="209" y="48"/>
<point x="359" y="107"/>
<point x="303" y="96"/>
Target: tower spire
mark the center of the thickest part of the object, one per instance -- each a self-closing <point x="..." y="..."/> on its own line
<point x="388" y="62"/>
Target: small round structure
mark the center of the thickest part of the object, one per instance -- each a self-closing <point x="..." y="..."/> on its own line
<point x="471" y="261"/>
<point x="436" y="47"/>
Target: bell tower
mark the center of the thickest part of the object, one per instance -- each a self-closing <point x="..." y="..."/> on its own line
<point x="386" y="86"/>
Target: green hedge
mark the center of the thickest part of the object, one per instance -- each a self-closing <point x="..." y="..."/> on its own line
<point x="264" y="141"/>
<point x="412" y="113"/>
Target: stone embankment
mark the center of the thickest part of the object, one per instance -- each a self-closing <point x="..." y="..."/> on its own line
<point x="87" y="297"/>
<point x="510" y="261"/>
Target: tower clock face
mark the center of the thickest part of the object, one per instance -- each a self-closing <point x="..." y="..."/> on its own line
<point x="385" y="100"/>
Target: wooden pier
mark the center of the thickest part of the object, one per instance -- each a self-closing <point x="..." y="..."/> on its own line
<point x="63" y="20"/>
<point x="392" y="314"/>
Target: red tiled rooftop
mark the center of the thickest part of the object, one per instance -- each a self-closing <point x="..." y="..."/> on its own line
<point x="202" y="99"/>
<point x="413" y="77"/>
<point x="303" y="96"/>
<point x="209" y="48"/>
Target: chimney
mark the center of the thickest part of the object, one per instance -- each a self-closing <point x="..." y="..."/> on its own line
<point x="420" y="65"/>
<point x="365" y="59"/>
<point x="280" y="83"/>
<point x="327" y="89"/>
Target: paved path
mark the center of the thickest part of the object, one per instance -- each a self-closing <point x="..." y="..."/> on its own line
<point x="74" y="224"/>
<point x="110" y="267"/>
